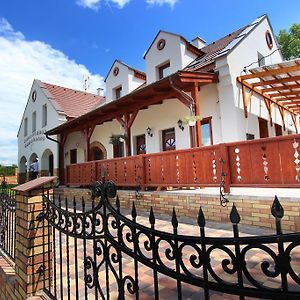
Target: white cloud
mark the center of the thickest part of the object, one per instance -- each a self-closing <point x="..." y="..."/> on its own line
<point x="95" y="4"/>
<point x="21" y="62"/>
<point x="162" y="2"/>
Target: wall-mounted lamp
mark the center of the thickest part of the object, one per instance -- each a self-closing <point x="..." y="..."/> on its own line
<point x="149" y="132"/>
<point x="180" y="124"/>
<point x="66" y="154"/>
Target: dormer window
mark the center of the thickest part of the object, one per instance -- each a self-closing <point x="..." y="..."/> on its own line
<point x="163" y="70"/>
<point x="118" y="92"/>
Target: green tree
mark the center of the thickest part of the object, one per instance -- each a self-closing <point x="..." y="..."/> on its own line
<point x="289" y="41"/>
<point x="7" y="170"/>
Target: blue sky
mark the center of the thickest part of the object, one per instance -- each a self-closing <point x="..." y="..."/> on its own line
<point x="61" y="41"/>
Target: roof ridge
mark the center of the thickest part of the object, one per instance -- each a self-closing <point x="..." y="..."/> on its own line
<point x="67" y="88"/>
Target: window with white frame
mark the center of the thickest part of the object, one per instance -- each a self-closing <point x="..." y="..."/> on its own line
<point x="34" y="121"/>
<point x="44" y="117"/>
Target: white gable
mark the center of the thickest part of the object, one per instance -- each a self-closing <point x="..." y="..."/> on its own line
<point x="167" y="48"/>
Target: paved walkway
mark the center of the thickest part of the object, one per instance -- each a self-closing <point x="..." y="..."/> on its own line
<point x="167" y="286"/>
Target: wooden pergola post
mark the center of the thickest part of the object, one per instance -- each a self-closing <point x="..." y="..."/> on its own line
<point x="196" y="97"/>
<point x="87" y="132"/>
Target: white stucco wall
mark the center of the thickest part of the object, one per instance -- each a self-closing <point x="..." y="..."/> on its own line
<point x="174" y="51"/>
<point x="36" y="142"/>
<point x="233" y="123"/>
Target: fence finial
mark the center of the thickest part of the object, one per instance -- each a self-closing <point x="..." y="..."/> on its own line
<point x="277" y="209"/>
<point x="151" y="216"/>
<point x="201" y="218"/>
<point x="174" y="219"/>
<point x="133" y="211"/>
<point x="234" y="215"/>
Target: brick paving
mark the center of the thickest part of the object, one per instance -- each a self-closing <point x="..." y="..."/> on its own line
<point x="167" y="286"/>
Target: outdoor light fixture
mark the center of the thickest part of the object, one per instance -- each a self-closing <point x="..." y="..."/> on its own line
<point x="149" y="132"/>
<point x="180" y="124"/>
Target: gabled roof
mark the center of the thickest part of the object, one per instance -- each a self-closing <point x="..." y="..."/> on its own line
<point x="190" y="46"/>
<point x="72" y="103"/>
<point x="137" y="73"/>
<point x="221" y="47"/>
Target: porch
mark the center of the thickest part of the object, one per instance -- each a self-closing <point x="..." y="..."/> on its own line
<point x="269" y="162"/>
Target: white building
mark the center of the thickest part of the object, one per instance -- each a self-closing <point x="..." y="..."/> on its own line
<point x="48" y="106"/>
<point x="182" y="79"/>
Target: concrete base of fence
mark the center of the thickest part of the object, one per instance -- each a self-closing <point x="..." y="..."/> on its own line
<point x="254" y="210"/>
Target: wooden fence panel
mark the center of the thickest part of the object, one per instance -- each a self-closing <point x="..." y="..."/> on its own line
<point x="265" y="162"/>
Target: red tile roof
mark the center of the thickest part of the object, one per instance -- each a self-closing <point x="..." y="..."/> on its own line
<point x="73" y="103"/>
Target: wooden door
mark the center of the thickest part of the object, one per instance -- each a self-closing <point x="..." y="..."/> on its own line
<point x="140" y="144"/>
<point x="73" y="156"/>
<point x="168" y="139"/>
<point x="51" y="165"/>
<point x="263" y="128"/>
<point x="278" y="130"/>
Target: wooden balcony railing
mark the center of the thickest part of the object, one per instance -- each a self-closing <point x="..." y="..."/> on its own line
<point x="264" y="162"/>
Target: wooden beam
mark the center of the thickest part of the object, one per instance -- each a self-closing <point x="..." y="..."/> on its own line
<point x="281" y="88"/>
<point x="274" y="81"/>
<point x="276" y="95"/>
<point x="271" y="72"/>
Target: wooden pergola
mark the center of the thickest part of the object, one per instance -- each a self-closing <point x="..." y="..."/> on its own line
<point x="182" y="85"/>
<point x="277" y="84"/>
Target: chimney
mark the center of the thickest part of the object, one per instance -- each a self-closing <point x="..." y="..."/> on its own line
<point x="198" y="42"/>
<point x="99" y="91"/>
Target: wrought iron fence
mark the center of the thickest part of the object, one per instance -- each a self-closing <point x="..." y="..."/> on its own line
<point x="8" y="222"/>
<point x="99" y="253"/>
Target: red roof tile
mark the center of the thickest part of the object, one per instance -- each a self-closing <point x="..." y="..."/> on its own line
<point x="74" y="103"/>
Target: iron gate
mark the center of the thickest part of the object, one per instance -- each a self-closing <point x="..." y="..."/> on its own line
<point x="96" y="252"/>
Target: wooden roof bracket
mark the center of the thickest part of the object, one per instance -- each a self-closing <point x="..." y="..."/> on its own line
<point x="282" y="113"/>
<point x="295" y="122"/>
<point x="269" y="106"/>
<point x="87" y="132"/>
<point x="246" y="99"/>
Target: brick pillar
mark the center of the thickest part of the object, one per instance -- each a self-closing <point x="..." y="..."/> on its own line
<point x="33" y="245"/>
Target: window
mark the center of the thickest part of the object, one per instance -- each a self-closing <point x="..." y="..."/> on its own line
<point x="118" y="92"/>
<point x="206" y="131"/>
<point x="73" y="156"/>
<point x="34" y="121"/>
<point x="163" y="70"/>
<point x="44" y="117"/>
<point x="25" y="127"/>
<point x="260" y="59"/>
<point x="250" y="136"/>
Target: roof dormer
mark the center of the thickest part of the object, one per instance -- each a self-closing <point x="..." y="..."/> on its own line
<point x="122" y="80"/>
<point x="167" y="54"/>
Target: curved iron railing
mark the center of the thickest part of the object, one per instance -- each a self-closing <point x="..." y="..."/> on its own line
<point x="185" y="259"/>
<point x="8" y="222"/>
